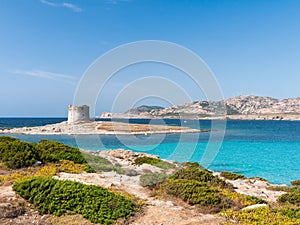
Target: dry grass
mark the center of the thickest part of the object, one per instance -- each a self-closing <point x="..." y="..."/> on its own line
<point x="68" y="219"/>
<point x="125" y="127"/>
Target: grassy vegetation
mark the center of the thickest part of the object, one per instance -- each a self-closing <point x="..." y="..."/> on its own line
<point x="198" y="186"/>
<point x="16" y="154"/>
<point x="263" y="215"/>
<point x="99" y="163"/>
<point x="49" y="170"/>
<point x="193" y="171"/>
<point x="152" y="179"/>
<point x="232" y="176"/>
<point x="11" y="178"/>
<point x="292" y="197"/>
<point x="193" y="192"/>
<point x="155" y="162"/>
<point x="284" y="188"/>
<point x="52" y="151"/>
<point x="295" y="182"/>
<point x="240" y="200"/>
<point x="94" y="203"/>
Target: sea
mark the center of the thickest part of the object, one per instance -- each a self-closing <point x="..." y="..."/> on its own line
<point x="255" y="148"/>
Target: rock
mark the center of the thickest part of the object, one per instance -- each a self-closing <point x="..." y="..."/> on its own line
<point x="8" y="210"/>
<point x="254" y="206"/>
<point x="37" y="163"/>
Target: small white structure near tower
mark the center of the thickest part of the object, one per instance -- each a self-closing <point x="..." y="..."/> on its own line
<point x="78" y="114"/>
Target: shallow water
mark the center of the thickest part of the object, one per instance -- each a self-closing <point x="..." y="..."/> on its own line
<point x="268" y="149"/>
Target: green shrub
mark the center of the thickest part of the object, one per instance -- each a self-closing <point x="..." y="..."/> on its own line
<point x="193" y="192"/>
<point x="262" y="215"/>
<point x="193" y="165"/>
<point x="292" y="197"/>
<point x="52" y="151"/>
<point x="259" y="178"/>
<point x="284" y="188"/>
<point x="7" y="139"/>
<point x="198" y="173"/>
<point x="155" y="162"/>
<point x="98" y="163"/>
<point x="290" y="212"/>
<point x="17" y="154"/>
<point x="95" y="159"/>
<point x="152" y="179"/>
<point x="232" y="176"/>
<point x="295" y="182"/>
<point x="240" y="201"/>
<point x="107" y="168"/>
<point x="94" y="203"/>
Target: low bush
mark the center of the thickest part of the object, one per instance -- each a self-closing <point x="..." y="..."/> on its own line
<point x="95" y="159"/>
<point x="98" y="163"/>
<point x="193" y="192"/>
<point x="94" y="203"/>
<point x="292" y="197"/>
<point x="9" y="179"/>
<point x="198" y="173"/>
<point x="262" y="215"/>
<point x="107" y="168"/>
<point x="295" y="182"/>
<point x="17" y="154"/>
<point x="48" y="170"/>
<point x="152" y="179"/>
<point x="7" y="139"/>
<point x="193" y="165"/>
<point x="66" y="166"/>
<point x="259" y="178"/>
<point x="155" y="162"/>
<point x="293" y="213"/>
<point x="52" y="151"/>
<point x="232" y="176"/>
<point x="239" y="200"/>
<point x="284" y="188"/>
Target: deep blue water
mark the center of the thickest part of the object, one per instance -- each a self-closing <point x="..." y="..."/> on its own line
<point x="268" y="149"/>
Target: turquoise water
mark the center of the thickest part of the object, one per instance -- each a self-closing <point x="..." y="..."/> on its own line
<point x="268" y="149"/>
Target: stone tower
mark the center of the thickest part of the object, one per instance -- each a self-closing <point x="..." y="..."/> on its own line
<point x="78" y="114"/>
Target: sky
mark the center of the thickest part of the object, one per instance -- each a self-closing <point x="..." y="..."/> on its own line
<point x="46" y="46"/>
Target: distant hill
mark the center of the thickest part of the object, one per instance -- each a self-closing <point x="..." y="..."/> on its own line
<point x="143" y="109"/>
<point x="240" y="107"/>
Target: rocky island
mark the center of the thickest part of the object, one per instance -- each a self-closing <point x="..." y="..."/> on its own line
<point x="79" y="123"/>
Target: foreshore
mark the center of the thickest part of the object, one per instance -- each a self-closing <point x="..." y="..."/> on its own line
<point x="101" y="128"/>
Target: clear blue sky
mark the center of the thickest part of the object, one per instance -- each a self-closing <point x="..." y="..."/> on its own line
<point x="253" y="47"/>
